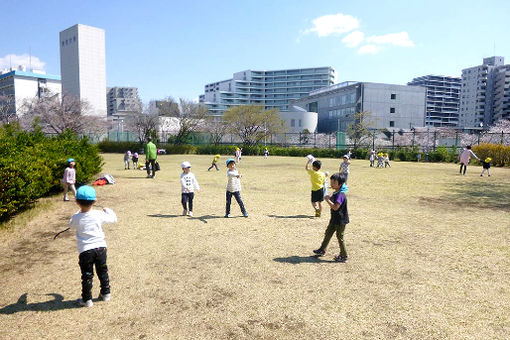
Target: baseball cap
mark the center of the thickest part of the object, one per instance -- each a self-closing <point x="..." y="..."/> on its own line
<point x="186" y="165"/>
<point x="346" y="156"/>
<point x="488" y="160"/>
<point x="229" y="160"/>
<point x="86" y="193"/>
<point x="69" y="160"/>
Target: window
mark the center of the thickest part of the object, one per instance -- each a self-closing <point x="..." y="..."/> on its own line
<point x="300" y="124"/>
<point x="392" y="110"/>
<point x="392" y="123"/>
<point x="292" y="122"/>
<point x="393" y="96"/>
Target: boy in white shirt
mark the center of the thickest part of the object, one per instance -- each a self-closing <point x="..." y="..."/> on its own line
<point x="233" y="187"/>
<point x="189" y="184"/>
<point x="91" y="244"/>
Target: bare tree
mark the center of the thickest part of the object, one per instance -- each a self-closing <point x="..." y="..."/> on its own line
<point x="144" y="124"/>
<point x="252" y="123"/>
<point x="56" y="115"/>
<point x="191" y="117"/>
<point x="360" y="130"/>
<point x="8" y="112"/>
<point x="217" y="129"/>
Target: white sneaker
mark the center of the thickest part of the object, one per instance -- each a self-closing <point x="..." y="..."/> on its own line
<point x="184" y="212"/>
<point x="87" y="303"/>
<point x="190" y="213"/>
<point x="105" y="297"/>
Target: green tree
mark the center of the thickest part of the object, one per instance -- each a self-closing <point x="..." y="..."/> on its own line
<point x="252" y="123"/>
<point x="360" y="130"/>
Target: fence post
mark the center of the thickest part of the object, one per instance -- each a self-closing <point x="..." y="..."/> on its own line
<point x="329" y="141"/>
<point x="315" y="139"/>
<point x="414" y="134"/>
<point x="479" y="137"/>
<point x="435" y="140"/>
<point x="502" y="137"/>
<point x="456" y="139"/>
<point x="393" y="141"/>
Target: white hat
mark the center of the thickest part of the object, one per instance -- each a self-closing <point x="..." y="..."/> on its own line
<point x="186" y="165"/>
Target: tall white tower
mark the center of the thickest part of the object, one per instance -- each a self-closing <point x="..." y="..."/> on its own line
<point x="83" y="67"/>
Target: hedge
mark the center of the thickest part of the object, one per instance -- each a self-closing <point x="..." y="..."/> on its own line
<point x="32" y="165"/>
<point x="499" y="153"/>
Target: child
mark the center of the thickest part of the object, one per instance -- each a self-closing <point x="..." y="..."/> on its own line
<point x="189" y="184"/>
<point x="387" y="160"/>
<point x="344" y="167"/>
<point x="215" y="160"/>
<point x="317" y="178"/>
<point x="465" y="156"/>
<point x="372" y="158"/>
<point x="135" y="161"/>
<point x="339" y="218"/>
<point x="486" y="166"/>
<point x="237" y="155"/>
<point x="380" y="160"/>
<point x="127" y="158"/>
<point x="233" y="188"/>
<point x="266" y="153"/>
<point x="91" y="244"/>
<point x="69" y="178"/>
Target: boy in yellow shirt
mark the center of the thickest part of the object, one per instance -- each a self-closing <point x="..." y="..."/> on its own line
<point x="317" y="178"/>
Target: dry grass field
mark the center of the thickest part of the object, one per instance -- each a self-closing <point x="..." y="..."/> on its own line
<point x="429" y="258"/>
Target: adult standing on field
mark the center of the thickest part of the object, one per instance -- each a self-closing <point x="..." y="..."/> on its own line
<point x="151" y="154"/>
<point x="465" y="156"/>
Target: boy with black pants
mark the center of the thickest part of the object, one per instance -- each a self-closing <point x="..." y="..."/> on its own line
<point x="91" y="244"/>
<point x="233" y="188"/>
<point x="339" y="218"/>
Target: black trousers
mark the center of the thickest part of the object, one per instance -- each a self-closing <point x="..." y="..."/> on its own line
<point x="187" y="197"/>
<point x="152" y="162"/>
<point x="465" y="167"/>
<point x="88" y="259"/>
<point x="237" y="196"/>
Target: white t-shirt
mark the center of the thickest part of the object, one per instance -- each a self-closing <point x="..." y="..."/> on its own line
<point x="189" y="181"/>
<point x="69" y="176"/>
<point x="89" y="233"/>
<point x="234" y="183"/>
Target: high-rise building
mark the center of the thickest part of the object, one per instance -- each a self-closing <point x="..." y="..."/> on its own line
<point x="484" y="93"/>
<point x="392" y="107"/>
<point x="271" y="89"/>
<point x="82" y="65"/>
<point x="18" y="86"/>
<point x="123" y="101"/>
<point x="442" y="99"/>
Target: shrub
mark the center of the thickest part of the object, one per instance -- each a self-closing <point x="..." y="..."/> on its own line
<point x="499" y="153"/>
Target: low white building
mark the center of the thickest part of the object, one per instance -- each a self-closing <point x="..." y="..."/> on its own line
<point x="298" y="120"/>
<point x="21" y="86"/>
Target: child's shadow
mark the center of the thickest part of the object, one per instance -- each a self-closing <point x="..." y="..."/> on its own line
<point x="292" y="216"/>
<point x="211" y="217"/>
<point x="57" y="303"/>
<point x="164" y="216"/>
<point x="302" y="259"/>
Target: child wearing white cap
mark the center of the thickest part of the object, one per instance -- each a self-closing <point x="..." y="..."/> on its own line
<point x="189" y="184"/>
<point x="91" y="244"/>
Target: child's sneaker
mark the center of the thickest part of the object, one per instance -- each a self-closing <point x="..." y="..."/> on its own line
<point x="317" y="213"/>
<point x="190" y="213"/>
<point x="319" y="252"/>
<point x="184" y="212"/>
<point x="341" y="259"/>
<point x="104" y="297"/>
<point x="227" y="215"/>
<point x="245" y="214"/>
<point x="87" y="303"/>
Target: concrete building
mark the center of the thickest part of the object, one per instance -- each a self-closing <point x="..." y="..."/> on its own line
<point x="442" y="99"/>
<point x="393" y="107"/>
<point x="485" y="93"/>
<point x="271" y="89"/>
<point x="122" y="102"/>
<point x="18" y="86"/>
<point x="298" y="119"/>
<point x="82" y="65"/>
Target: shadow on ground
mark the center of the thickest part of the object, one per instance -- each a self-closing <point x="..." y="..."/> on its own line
<point x="164" y="216"/>
<point x="292" y="216"/>
<point x="301" y="259"/>
<point x="57" y="303"/>
<point x="485" y="195"/>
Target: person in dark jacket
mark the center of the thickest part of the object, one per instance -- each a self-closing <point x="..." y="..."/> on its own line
<point x="339" y="218"/>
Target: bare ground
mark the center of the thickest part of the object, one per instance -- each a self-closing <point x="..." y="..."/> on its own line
<point x="429" y="258"/>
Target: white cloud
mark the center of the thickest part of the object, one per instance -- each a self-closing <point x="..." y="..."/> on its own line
<point x="353" y="39"/>
<point x="333" y="24"/>
<point x="369" y="49"/>
<point x="397" y="39"/>
<point x="15" y="60"/>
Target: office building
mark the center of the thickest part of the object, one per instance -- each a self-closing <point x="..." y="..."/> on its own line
<point x="122" y="102"/>
<point x="485" y="93"/>
<point x="19" y="86"/>
<point x="271" y="89"/>
<point x="82" y="66"/>
<point x="391" y="107"/>
<point x="442" y="99"/>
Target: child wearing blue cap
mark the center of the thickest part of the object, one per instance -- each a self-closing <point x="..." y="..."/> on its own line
<point x="91" y="244"/>
<point x="69" y="178"/>
<point x="233" y="187"/>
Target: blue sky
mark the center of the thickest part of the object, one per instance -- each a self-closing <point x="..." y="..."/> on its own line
<point x="173" y="48"/>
